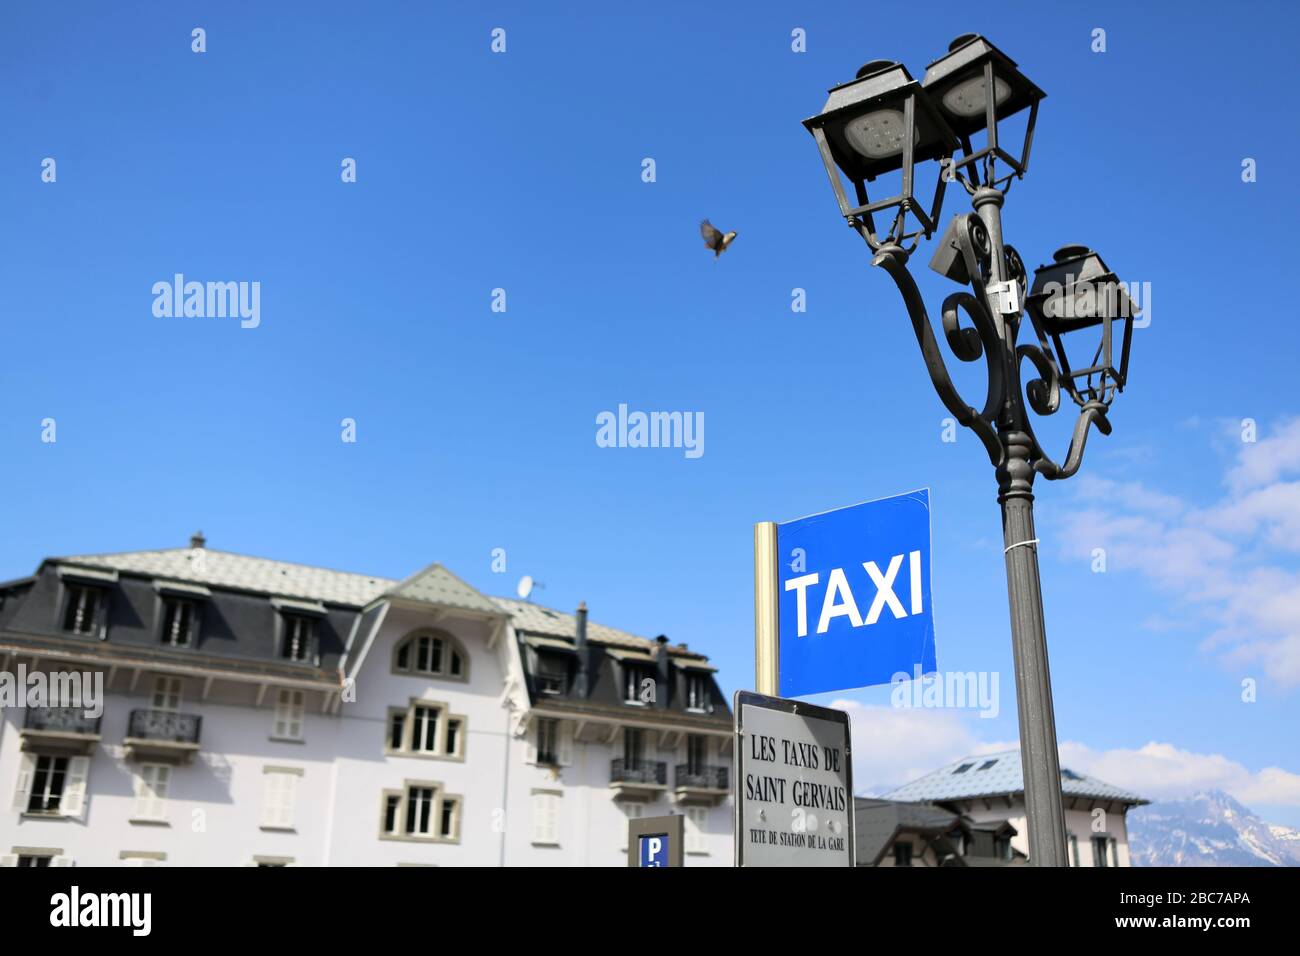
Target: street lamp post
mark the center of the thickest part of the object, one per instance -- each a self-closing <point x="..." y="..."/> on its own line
<point x="883" y="123"/>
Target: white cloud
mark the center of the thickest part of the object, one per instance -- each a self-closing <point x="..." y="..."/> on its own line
<point x="1265" y="461"/>
<point x="1096" y="488"/>
<point x="1273" y="510"/>
<point x="1232" y="563"/>
<point x="1160" y="771"/>
<point x="894" y="745"/>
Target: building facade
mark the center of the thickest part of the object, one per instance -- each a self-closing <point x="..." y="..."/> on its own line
<point x="256" y="712"/>
<point x="895" y="833"/>
<point x="988" y="791"/>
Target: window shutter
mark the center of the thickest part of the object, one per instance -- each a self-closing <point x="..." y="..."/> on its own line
<point x="290" y="710"/>
<point x="533" y="731"/>
<point x="565" y="743"/>
<point x="553" y="817"/>
<point x="271" y="800"/>
<point x="694" y="830"/>
<point x="61" y="861"/>
<point x="101" y="626"/>
<point x="538" y="814"/>
<point x="546" y="818"/>
<point x="23" y="792"/>
<point x="142" y="806"/>
<point x="282" y="714"/>
<point x="151" y="791"/>
<point x="73" y="803"/>
<point x="278" y="800"/>
<point x="288" y="798"/>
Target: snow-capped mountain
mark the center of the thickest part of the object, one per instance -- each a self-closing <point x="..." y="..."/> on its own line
<point x="1208" y="829"/>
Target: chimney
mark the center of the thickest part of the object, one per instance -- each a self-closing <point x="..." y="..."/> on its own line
<point x="663" y="676"/>
<point x="580" y="682"/>
<point x="197" y="540"/>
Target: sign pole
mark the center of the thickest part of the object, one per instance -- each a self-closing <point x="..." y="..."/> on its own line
<point x="767" y="662"/>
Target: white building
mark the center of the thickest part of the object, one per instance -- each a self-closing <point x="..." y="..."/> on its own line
<point x="988" y="790"/>
<point x="264" y="713"/>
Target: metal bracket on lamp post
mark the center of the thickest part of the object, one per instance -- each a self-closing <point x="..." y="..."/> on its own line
<point x="1004" y="428"/>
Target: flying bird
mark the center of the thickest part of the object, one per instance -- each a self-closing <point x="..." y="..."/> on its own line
<point x="715" y="240"/>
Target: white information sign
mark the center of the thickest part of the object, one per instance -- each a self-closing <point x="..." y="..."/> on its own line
<point x="794" y="783"/>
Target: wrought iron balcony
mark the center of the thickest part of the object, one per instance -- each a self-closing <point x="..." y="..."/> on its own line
<point x="164" y="725"/>
<point x="61" y="720"/>
<point x="644" y="772"/>
<point x="163" y="735"/>
<point x="65" y="730"/>
<point x="701" y="777"/>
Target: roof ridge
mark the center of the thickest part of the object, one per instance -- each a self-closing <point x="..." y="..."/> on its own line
<point x="234" y="554"/>
<point x="983" y="756"/>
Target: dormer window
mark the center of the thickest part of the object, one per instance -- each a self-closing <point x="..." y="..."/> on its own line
<point x="636" y="679"/>
<point x="297" y="630"/>
<point x="698" y="697"/>
<point x="84" y="600"/>
<point x="82" y="612"/>
<point x="552" y="674"/>
<point x="180" y="613"/>
<point x="179" y="624"/>
<point x="299" y="637"/>
<point x="437" y="654"/>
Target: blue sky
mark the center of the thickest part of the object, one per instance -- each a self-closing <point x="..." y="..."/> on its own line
<point x="476" y="429"/>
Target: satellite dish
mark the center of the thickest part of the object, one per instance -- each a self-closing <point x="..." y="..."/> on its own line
<point x="526" y="586"/>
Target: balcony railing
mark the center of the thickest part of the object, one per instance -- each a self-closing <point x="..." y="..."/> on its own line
<point x="638" y="771"/>
<point x="165" y="726"/>
<point x="64" y="720"/>
<point x="701" y="777"/>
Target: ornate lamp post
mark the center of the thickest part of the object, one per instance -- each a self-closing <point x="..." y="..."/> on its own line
<point x="966" y="92"/>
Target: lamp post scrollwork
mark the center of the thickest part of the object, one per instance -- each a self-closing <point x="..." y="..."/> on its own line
<point x="884" y="122"/>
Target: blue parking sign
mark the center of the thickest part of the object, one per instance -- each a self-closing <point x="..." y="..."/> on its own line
<point x="654" y="849"/>
<point x="853" y="587"/>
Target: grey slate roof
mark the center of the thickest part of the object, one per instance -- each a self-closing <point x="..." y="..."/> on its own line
<point x="197" y="567"/>
<point x="875" y="823"/>
<point x="225" y="570"/>
<point x="436" y="585"/>
<point x="996" y="774"/>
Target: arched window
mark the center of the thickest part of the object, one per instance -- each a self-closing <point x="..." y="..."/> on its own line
<point x="435" y="653"/>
